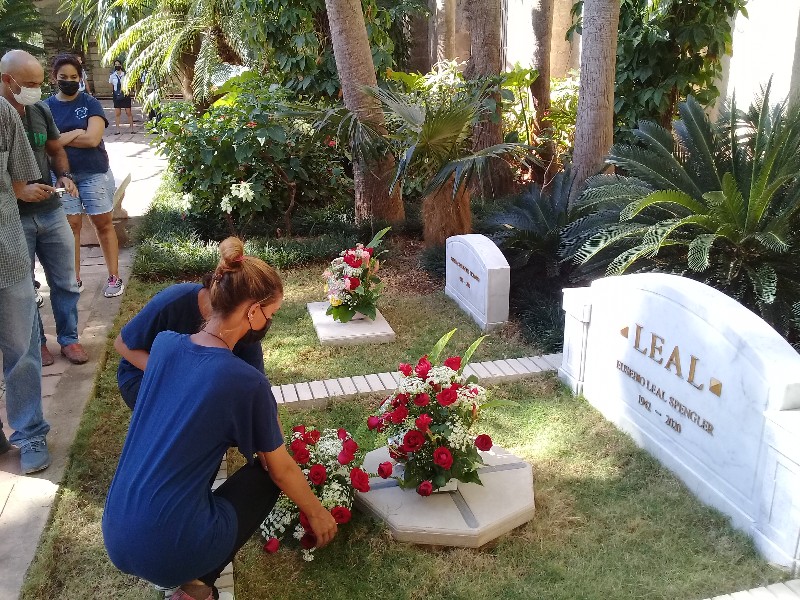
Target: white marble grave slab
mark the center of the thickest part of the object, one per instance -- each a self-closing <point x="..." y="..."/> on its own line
<point x="691" y="375"/>
<point x="469" y="517"/>
<point x="333" y="333"/>
<point x="478" y="278"/>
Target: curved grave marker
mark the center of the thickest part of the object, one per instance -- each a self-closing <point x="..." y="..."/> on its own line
<point x="704" y="385"/>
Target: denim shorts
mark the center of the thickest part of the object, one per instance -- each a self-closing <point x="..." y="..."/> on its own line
<point x="96" y="194"/>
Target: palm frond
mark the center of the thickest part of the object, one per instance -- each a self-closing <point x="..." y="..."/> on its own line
<point x="698" y="256"/>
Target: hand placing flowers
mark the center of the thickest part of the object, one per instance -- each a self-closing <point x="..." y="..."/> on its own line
<point x="331" y="461"/>
<point x="429" y="420"/>
<point x="351" y="282"/>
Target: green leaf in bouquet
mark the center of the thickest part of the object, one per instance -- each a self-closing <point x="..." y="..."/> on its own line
<point x="376" y="241"/>
<point x="439" y="481"/>
<point x="368" y="310"/>
<point x="470" y="351"/>
<point x="433" y="355"/>
<point x="341" y="313"/>
<point x="472" y="379"/>
<point x="471" y="476"/>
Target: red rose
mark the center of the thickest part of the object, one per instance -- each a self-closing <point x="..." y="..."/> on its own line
<point x="299" y="429"/>
<point x="308" y="541"/>
<point x="311" y="437"/>
<point x="413" y="440"/>
<point x="341" y="514"/>
<point x="302" y="456"/>
<point x="272" y="545"/>
<point x="423" y="366"/>
<point x="423" y="422"/>
<point x="422" y="399"/>
<point x="353" y="283"/>
<point x="352" y="261"/>
<point x="369" y="250"/>
<point x="425" y="488"/>
<point x="385" y="469"/>
<point x="447" y="397"/>
<point x="454" y="362"/>
<point x="342" y="434"/>
<point x="398" y="415"/>
<point x="360" y="480"/>
<point x="297" y="444"/>
<point x="442" y="457"/>
<point x="344" y="457"/>
<point x="483" y="442"/>
<point x="318" y="474"/>
<point x="398" y="453"/>
<point x="304" y="522"/>
<point x="350" y="446"/>
<point x="400" y="399"/>
<point x="374" y="422"/>
<point x="405" y="369"/>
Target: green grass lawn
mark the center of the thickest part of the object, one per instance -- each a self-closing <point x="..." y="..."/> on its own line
<point x="610" y="523"/>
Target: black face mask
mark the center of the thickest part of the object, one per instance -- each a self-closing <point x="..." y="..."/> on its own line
<point x="256" y="335"/>
<point x="118" y="68"/>
<point x="70" y="88"/>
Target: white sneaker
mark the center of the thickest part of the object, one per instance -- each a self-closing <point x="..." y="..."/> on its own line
<point x="114" y="287"/>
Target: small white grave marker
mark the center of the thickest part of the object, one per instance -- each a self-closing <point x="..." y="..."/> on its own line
<point x="704" y="385"/>
<point x="478" y="278"/>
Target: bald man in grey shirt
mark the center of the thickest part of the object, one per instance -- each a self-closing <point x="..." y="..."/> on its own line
<point x="19" y="332"/>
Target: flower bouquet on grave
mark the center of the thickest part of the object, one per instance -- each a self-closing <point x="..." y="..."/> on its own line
<point x="331" y="462"/>
<point x="429" y="421"/>
<point x="351" y="282"/>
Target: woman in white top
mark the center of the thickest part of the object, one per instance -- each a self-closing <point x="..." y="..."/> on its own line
<point x="121" y="99"/>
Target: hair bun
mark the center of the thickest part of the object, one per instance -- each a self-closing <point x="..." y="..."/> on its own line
<point x="231" y="251"/>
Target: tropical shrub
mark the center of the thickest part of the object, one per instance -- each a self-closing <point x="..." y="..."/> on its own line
<point x="247" y="161"/>
<point x="564" y="113"/>
<point x="715" y="202"/>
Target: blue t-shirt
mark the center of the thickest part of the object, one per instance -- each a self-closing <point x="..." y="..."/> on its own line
<point x="161" y="521"/>
<point x="172" y="309"/>
<point x="75" y="115"/>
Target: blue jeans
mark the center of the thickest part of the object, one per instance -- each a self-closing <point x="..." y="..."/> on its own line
<point x="50" y="237"/>
<point x="22" y="362"/>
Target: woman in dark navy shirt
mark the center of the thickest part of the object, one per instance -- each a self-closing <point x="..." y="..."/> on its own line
<point x="181" y="308"/>
<point x="162" y="522"/>
<point x="82" y="122"/>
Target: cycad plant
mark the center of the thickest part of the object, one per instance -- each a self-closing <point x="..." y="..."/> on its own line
<point x="716" y="202"/>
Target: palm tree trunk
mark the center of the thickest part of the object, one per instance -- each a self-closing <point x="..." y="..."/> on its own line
<point x="356" y="70"/>
<point x="594" y="129"/>
<point x="486" y="60"/>
<point x="542" y="21"/>
<point x="444" y="216"/>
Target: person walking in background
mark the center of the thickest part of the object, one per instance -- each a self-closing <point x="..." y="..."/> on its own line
<point x="182" y="308"/>
<point x="162" y="522"/>
<point x="81" y="119"/>
<point x="83" y="86"/>
<point x="19" y="333"/>
<point x="47" y="231"/>
<point x="122" y="100"/>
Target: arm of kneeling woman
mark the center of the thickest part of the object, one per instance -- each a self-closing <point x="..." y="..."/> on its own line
<point x="93" y="135"/>
<point x="288" y="476"/>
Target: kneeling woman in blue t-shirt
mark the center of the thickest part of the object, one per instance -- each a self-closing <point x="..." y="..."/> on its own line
<point x="162" y="522"/>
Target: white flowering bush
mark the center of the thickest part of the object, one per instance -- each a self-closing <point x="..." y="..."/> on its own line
<point x="351" y="282"/>
<point x="429" y="420"/>
<point x="331" y="461"/>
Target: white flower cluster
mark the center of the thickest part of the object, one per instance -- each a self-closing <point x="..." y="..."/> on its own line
<point x="243" y="190"/>
<point x="460" y="437"/>
<point x="186" y="202"/>
<point x="281" y="516"/>
<point x="412" y="385"/>
<point x="225" y="204"/>
<point x="443" y="376"/>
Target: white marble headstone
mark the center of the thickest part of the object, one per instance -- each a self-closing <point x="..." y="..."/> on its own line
<point x="478" y="278"/>
<point x="702" y="383"/>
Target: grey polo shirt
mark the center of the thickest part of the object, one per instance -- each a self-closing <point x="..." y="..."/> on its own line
<point x="17" y="163"/>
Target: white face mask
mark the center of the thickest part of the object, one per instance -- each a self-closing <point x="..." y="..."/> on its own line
<point x="27" y="96"/>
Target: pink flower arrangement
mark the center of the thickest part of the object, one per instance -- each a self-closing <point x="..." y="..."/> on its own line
<point x="429" y="420"/>
<point x="351" y="283"/>
<point x="331" y="461"/>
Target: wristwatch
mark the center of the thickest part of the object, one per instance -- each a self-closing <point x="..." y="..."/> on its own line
<point x="68" y="175"/>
